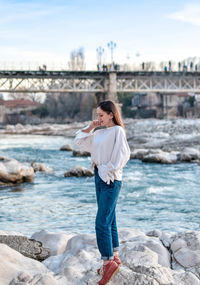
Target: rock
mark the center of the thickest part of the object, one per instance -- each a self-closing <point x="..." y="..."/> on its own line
<point x="80" y="153"/>
<point x="139" y="153"/>
<point x="189" y="154"/>
<point x="153" y="243"/>
<point x="165" y="238"/>
<point x="79" y="171"/>
<point x="13" y="172"/>
<point x="161" y="157"/>
<point x="12" y="263"/>
<point x="41" y="167"/>
<point x="140" y="263"/>
<point x="145" y="260"/>
<point x="66" y="147"/>
<point x="56" y="242"/>
<point x="28" y="247"/>
<point x="38" y="279"/>
<point x="185" y="278"/>
<point x="186" y="252"/>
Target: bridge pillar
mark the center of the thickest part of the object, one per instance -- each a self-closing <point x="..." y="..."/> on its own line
<point x="111" y="93"/>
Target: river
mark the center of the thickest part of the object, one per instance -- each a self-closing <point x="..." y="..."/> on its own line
<point x="153" y="196"/>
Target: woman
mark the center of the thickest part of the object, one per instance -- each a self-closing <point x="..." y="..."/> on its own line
<point x="109" y="154"/>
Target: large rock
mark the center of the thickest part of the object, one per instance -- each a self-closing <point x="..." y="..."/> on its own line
<point x="41" y="167"/>
<point x="79" y="171"/>
<point x="38" y="279"/>
<point x="161" y="157"/>
<point x="13" y="172"/>
<point x="80" y="153"/>
<point x="186" y="252"/>
<point x="12" y="263"/>
<point x="139" y="153"/>
<point x="145" y="260"/>
<point x="28" y="247"/>
<point x="56" y="242"/>
<point x="190" y="154"/>
<point x="66" y="147"/>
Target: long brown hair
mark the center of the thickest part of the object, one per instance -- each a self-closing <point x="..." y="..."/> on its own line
<point x="111" y="107"/>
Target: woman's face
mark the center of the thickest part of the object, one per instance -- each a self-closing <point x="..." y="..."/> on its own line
<point x="104" y="118"/>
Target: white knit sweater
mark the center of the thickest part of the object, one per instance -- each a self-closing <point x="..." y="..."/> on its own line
<point x="109" y="150"/>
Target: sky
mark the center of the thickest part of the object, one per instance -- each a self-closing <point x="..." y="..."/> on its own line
<point x="47" y="31"/>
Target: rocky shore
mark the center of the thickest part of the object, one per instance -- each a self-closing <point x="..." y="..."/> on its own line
<point x="153" y="258"/>
<point x="162" y="141"/>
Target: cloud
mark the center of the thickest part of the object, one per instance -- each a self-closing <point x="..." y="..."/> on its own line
<point x="189" y="14"/>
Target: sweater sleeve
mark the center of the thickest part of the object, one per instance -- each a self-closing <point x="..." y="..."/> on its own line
<point x="119" y="157"/>
<point x="84" y="140"/>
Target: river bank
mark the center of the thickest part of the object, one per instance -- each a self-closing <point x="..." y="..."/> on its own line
<point x="152" y="258"/>
<point x="152" y="140"/>
<point x="154" y="133"/>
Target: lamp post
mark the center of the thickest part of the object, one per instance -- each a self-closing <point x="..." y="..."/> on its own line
<point x="112" y="46"/>
<point x="100" y="52"/>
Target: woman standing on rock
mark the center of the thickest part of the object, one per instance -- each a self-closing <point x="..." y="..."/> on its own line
<point x="109" y="154"/>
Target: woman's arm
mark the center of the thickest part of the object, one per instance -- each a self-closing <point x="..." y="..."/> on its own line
<point x="84" y="137"/>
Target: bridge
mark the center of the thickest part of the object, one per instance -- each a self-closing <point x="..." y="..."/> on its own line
<point x="106" y="82"/>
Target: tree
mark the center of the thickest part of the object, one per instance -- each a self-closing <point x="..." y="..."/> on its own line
<point x="77" y="59"/>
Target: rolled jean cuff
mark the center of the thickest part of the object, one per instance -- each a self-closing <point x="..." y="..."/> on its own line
<point x="107" y="257"/>
<point x="116" y="249"/>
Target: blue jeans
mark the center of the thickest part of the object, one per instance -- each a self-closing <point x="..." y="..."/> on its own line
<point x="106" y="226"/>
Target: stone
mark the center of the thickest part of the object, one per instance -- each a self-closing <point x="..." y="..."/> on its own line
<point x="28" y="247"/>
<point x="79" y="171"/>
<point x="66" y="147"/>
<point x="139" y="153"/>
<point x="145" y="260"/>
<point x="80" y="153"/>
<point x="38" y="279"/>
<point x="185" y="278"/>
<point x="41" y="167"/>
<point x="12" y="263"/>
<point x="56" y="242"/>
<point x="81" y="259"/>
<point x="161" y="157"/>
<point x="186" y="252"/>
<point x="13" y="172"/>
<point x="190" y="154"/>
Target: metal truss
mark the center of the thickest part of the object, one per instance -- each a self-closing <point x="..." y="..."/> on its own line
<point x="159" y="82"/>
<point x="53" y="82"/>
<point x="85" y="81"/>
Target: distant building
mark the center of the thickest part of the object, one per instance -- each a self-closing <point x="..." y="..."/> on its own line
<point x="12" y="108"/>
<point x="166" y="105"/>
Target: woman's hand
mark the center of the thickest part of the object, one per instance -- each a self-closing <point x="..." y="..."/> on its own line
<point x="94" y="124"/>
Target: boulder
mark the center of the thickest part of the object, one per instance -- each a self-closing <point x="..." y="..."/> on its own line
<point x="79" y="171"/>
<point x="66" y="147"/>
<point x="139" y="153"/>
<point x="56" y="242"/>
<point x="13" y="172"/>
<point x="81" y="259"/>
<point x="145" y="260"/>
<point x="28" y="247"/>
<point x="190" y="154"/>
<point x="161" y="157"/>
<point x="41" y="167"/>
<point x="186" y="252"/>
<point x="13" y="263"/>
<point x="38" y="279"/>
<point x="80" y="153"/>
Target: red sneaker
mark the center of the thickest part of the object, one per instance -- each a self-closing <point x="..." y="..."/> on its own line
<point x="109" y="270"/>
<point x="116" y="259"/>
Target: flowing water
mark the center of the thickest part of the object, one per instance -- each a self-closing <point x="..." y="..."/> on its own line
<point x="153" y="196"/>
